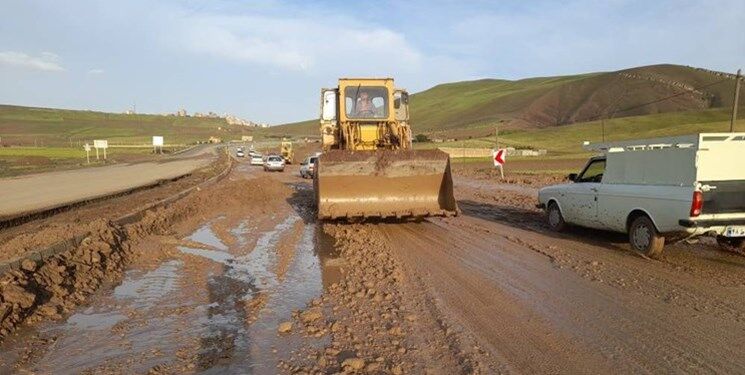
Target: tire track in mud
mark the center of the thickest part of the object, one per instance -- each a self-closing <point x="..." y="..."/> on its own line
<point x="700" y="277"/>
<point x="534" y="316"/>
<point x="376" y="322"/>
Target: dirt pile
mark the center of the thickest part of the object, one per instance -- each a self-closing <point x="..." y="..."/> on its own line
<point x="47" y="290"/>
<point x="52" y="288"/>
<point x="374" y="322"/>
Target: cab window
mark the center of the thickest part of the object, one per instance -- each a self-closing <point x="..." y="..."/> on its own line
<point x="369" y="102"/>
<point x="593" y="172"/>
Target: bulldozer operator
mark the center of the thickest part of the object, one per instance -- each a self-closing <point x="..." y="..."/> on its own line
<point x="365" y="108"/>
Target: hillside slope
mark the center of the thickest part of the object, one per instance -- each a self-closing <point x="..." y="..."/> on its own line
<point x="471" y="108"/>
<point x="24" y="126"/>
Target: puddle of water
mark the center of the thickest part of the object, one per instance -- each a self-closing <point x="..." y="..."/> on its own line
<point x="88" y="338"/>
<point x="94" y="321"/>
<point x="241" y="232"/>
<point x="146" y="290"/>
<point x="329" y="258"/>
<point x="206" y="236"/>
<point x="136" y="317"/>
<point x="217" y="256"/>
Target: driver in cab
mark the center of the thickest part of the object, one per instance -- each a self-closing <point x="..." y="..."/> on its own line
<point x="365" y="107"/>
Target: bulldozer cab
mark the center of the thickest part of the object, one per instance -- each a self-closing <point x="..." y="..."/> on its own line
<point x="366" y="100"/>
<point x="365" y="114"/>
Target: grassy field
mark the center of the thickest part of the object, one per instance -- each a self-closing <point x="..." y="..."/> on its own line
<point x="28" y="126"/>
<point x="16" y="161"/>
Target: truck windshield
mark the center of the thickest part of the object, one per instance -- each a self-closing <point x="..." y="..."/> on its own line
<point x="593" y="172"/>
<point x="366" y="102"/>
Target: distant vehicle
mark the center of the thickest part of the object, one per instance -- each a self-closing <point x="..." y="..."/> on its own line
<point x="257" y="159"/>
<point x="274" y="163"/>
<point x="286" y="151"/>
<point x="657" y="189"/>
<point x="239" y="153"/>
<point x="308" y="166"/>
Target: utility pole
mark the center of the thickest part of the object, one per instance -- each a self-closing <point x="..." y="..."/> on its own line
<point x="496" y="136"/>
<point x="737" y="99"/>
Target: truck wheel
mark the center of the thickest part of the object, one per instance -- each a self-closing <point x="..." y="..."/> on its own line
<point x="644" y="238"/>
<point x="731" y="244"/>
<point x="555" y="219"/>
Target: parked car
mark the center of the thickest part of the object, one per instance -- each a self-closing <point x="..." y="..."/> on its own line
<point x="308" y="166"/>
<point x="239" y="153"/>
<point x="274" y="163"/>
<point x="657" y="189"/>
<point x="257" y="159"/>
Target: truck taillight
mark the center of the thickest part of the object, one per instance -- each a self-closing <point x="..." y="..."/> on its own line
<point x="697" y="204"/>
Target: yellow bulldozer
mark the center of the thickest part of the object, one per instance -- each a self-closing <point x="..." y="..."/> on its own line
<point x="286" y="151"/>
<point x="368" y="168"/>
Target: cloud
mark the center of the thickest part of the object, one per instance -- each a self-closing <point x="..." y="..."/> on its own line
<point x="297" y="43"/>
<point x="96" y="71"/>
<point x="46" y="61"/>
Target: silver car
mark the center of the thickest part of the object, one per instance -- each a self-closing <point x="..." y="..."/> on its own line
<point x="307" y="167"/>
<point x="257" y="159"/>
<point x="274" y="163"/>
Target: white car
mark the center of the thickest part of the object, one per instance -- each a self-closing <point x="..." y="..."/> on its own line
<point x="274" y="163"/>
<point x="257" y="159"/>
<point x="674" y="188"/>
<point x="239" y="153"/>
<point x="308" y="166"/>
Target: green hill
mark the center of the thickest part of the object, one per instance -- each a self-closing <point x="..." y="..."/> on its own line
<point x="470" y="109"/>
<point x="28" y="126"/>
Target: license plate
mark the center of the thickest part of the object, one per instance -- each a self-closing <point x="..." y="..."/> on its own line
<point x="734" y="231"/>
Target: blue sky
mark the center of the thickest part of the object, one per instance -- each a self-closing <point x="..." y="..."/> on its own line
<point x="266" y="60"/>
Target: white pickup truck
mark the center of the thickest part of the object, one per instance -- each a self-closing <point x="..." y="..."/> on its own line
<point x="676" y="187"/>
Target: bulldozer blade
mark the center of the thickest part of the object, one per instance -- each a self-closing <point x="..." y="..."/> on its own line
<point x="384" y="184"/>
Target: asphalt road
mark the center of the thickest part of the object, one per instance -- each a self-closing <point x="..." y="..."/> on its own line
<point x="32" y="193"/>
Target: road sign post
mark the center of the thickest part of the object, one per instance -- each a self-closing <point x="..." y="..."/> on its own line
<point x="102" y="144"/>
<point x="498" y="157"/>
<point x="87" y="149"/>
<point x="157" y="143"/>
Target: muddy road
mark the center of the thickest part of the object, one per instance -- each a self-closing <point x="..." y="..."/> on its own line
<point x="249" y="282"/>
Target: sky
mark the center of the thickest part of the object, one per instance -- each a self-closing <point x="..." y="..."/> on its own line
<point x="266" y="60"/>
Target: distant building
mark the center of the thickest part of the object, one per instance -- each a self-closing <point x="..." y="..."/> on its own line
<point x="209" y="114"/>
<point x="181" y="113"/>
<point x="235" y="120"/>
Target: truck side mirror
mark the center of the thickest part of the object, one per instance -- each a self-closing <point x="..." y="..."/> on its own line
<point x="572" y="177"/>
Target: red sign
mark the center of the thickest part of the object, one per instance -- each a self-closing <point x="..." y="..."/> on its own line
<point x="499" y="156"/>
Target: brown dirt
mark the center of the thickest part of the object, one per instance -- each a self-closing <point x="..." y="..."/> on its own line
<point x="495" y="291"/>
<point x="490" y="291"/>
<point x="54" y="287"/>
